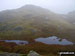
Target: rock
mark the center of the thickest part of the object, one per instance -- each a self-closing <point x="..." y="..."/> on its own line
<point x="13" y="54"/>
<point x="3" y="55"/>
<point x="8" y="54"/>
<point x="33" y="53"/>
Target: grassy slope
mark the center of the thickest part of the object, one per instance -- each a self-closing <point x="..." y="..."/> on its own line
<point x="30" y="22"/>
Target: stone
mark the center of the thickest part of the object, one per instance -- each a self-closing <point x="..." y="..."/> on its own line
<point x="33" y="53"/>
<point x="8" y="54"/>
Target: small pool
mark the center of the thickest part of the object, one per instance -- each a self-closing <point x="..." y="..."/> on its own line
<point x="53" y="40"/>
<point x="19" y="42"/>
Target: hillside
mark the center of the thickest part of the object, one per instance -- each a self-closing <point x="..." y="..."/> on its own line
<point x="30" y="21"/>
<point x="70" y="17"/>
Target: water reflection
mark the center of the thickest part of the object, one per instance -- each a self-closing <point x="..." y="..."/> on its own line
<point x="54" y="40"/>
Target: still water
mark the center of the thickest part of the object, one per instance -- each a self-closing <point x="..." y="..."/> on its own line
<point x="48" y="40"/>
<point x="53" y="40"/>
<point x="19" y="42"/>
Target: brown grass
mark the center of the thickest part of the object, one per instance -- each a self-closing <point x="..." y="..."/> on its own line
<point x="41" y="48"/>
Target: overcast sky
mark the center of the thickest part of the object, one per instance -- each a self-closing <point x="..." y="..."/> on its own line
<point x="58" y="6"/>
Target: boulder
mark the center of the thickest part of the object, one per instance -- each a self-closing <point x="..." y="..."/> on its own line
<point x="33" y="53"/>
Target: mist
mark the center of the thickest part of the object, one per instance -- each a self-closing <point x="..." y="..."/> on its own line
<point x="57" y="6"/>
